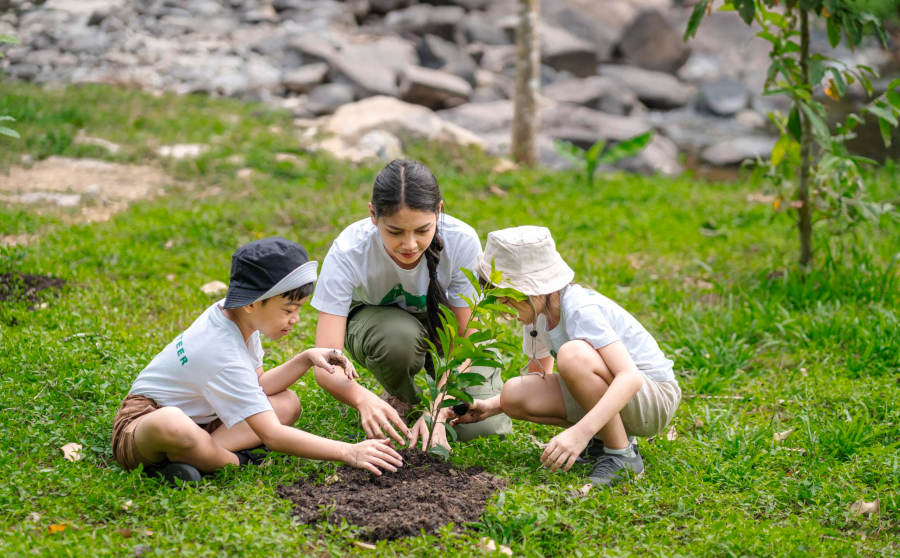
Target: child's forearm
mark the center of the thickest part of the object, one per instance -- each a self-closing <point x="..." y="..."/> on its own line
<point x="620" y="391"/>
<point x="296" y="442"/>
<point x="284" y="375"/>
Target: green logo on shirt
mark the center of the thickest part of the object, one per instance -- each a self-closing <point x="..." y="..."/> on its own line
<point x="179" y="346"/>
<point x="411" y="301"/>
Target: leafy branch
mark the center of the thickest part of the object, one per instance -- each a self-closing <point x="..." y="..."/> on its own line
<point x="589" y="160"/>
<point x="455" y="354"/>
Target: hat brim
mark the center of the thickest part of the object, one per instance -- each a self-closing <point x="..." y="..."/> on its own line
<point x="302" y="275"/>
<point x="546" y="281"/>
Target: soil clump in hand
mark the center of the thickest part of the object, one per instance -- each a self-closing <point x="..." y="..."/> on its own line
<point x="426" y="493"/>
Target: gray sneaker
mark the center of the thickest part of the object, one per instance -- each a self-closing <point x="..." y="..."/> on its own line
<point x="611" y="468"/>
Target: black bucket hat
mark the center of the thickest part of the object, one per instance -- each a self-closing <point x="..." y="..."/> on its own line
<point x="267" y="267"/>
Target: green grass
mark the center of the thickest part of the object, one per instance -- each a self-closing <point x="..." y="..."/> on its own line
<point x="759" y="348"/>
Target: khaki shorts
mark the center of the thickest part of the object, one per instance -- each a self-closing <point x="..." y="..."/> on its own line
<point x="646" y="414"/>
<point x="133" y="408"/>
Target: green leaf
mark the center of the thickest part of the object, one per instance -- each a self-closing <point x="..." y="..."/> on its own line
<point x="885" y="132"/>
<point x="627" y="148"/>
<point x="4" y="131"/>
<point x="6" y="117"/>
<point x="440" y="451"/>
<point x="780" y="148"/>
<point x="695" y="19"/>
<point x="794" y="126"/>
<point x="816" y="71"/>
<point x="9" y="39"/>
<point x="838" y="81"/>
<point x="834" y="31"/>
<point x="451" y="432"/>
<point x="746" y="9"/>
<point x="893" y="98"/>
<point x="467" y="377"/>
<point x="881" y="110"/>
<point x="819" y="127"/>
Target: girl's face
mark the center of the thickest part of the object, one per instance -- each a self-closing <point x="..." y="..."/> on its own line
<point x="525" y="309"/>
<point x="406" y="234"/>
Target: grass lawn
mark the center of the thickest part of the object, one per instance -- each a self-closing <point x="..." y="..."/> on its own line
<point x="758" y="350"/>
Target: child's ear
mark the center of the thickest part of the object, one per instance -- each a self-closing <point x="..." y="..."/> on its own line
<point x="372" y="214"/>
<point x="250" y="308"/>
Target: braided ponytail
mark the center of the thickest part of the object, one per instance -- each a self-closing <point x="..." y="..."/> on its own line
<point x="407" y="183"/>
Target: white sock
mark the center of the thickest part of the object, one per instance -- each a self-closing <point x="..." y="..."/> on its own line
<point x="627" y="451"/>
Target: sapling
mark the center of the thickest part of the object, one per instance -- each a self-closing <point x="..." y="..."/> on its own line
<point x="454" y="354"/>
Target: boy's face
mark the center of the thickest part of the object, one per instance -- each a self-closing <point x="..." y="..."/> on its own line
<point x="275" y="317"/>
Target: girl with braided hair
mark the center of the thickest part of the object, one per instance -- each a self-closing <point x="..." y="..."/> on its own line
<point x="379" y="294"/>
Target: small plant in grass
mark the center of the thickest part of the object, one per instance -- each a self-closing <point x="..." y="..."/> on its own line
<point x="455" y="353"/>
<point x="828" y="181"/>
<point x="588" y="160"/>
<point x="4" y="130"/>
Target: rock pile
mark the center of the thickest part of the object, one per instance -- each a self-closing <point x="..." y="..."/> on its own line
<point x="383" y="71"/>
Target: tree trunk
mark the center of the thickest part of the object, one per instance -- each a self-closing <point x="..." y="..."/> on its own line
<point x="528" y="64"/>
<point x="804" y="212"/>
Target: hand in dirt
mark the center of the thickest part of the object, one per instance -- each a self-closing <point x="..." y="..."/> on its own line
<point x="373" y="456"/>
<point x="563" y="449"/>
<point x="327" y="359"/>
<point x="378" y="420"/>
<point x="479" y="409"/>
<point x="438" y="436"/>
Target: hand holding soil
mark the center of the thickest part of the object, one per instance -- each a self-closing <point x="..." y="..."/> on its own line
<point x="378" y="419"/>
<point x="563" y="449"/>
<point x="478" y="410"/>
<point x="374" y="455"/>
<point x="326" y="359"/>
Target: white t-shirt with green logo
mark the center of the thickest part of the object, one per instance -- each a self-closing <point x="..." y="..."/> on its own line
<point x="208" y="371"/>
<point x="358" y="269"/>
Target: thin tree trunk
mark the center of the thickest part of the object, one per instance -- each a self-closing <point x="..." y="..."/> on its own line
<point x="804" y="212"/>
<point x="528" y="63"/>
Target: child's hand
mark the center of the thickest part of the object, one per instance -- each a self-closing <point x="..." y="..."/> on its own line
<point x="328" y="358"/>
<point x="563" y="449"/>
<point x="438" y="435"/>
<point x="479" y="409"/>
<point x="374" y="455"/>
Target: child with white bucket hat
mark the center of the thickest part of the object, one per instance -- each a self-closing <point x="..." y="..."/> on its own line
<point x="614" y="382"/>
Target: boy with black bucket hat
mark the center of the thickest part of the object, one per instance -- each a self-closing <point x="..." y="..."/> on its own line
<point x="205" y="401"/>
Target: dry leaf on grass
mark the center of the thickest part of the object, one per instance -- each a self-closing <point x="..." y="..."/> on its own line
<point x="367" y="546"/>
<point x="72" y="451"/>
<point x="331" y="479"/>
<point x="497" y="191"/>
<point x="126" y="505"/>
<point x="56" y="528"/>
<point x="782" y="436"/>
<point x="672" y="434"/>
<point x="488" y="545"/>
<point x="862" y="507"/>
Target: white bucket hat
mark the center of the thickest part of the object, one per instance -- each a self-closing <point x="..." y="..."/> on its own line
<point x="528" y="259"/>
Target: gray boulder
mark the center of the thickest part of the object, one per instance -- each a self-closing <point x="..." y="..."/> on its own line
<point x="724" y="97"/>
<point x="481" y="118"/>
<point x="737" y="150"/>
<point x="304" y="78"/>
<point x="329" y="97"/>
<point x="437" y="53"/>
<point x="372" y="67"/>
<point x="564" y="51"/>
<point x="422" y="19"/>
<point x="654" y="89"/>
<point x="433" y="88"/>
<point x="477" y="28"/>
<point x="597" y="92"/>
<point x="652" y="43"/>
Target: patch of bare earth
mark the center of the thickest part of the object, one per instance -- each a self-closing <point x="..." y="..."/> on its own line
<point x="80" y="190"/>
<point x="24" y="286"/>
<point x="425" y="494"/>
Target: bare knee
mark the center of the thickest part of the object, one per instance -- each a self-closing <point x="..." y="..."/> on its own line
<point x="170" y="428"/>
<point x="286" y="406"/>
<point x="514" y="398"/>
<point x="578" y="357"/>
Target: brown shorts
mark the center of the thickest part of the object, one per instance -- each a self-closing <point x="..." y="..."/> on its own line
<point x="133" y="408"/>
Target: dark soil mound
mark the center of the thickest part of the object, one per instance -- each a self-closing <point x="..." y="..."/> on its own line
<point x="22" y="286"/>
<point x="426" y="493"/>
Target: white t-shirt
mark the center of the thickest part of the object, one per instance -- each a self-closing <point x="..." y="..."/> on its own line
<point x="357" y="268"/>
<point x="208" y="372"/>
<point x="588" y="315"/>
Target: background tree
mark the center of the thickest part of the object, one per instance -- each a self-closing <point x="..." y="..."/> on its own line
<point x="827" y="177"/>
<point x="528" y="67"/>
<point x="4" y="130"/>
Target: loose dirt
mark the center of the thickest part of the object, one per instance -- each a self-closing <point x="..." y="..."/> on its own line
<point x="82" y="190"/>
<point x="426" y="493"/>
<point x="22" y="286"/>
